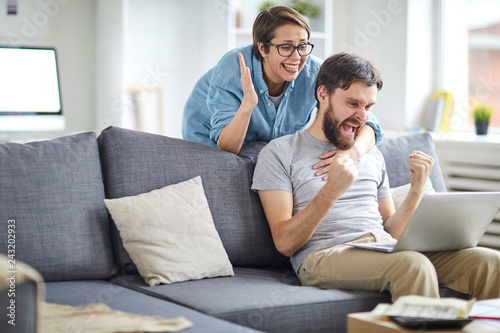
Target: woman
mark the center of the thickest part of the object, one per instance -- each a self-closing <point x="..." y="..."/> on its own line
<point x="263" y="91"/>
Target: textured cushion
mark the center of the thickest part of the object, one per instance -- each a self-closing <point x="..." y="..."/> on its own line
<point x="136" y="162"/>
<point x="396" y="152"/>
<point x="170" y="235"/>
<point x="53" y="192"/>
<point x="399" y="193"/>
<point x="271" y="300"/>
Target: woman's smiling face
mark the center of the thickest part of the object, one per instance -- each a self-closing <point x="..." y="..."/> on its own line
<point x="278" y="69"/>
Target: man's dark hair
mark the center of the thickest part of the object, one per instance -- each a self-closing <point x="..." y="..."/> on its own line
<point x="268" y="20"/>
<point x="343" y="69"/>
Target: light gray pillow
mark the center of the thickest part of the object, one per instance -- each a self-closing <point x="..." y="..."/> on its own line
<point x="396" y="151"/>
<point x="170" y="235"/>
<point x="399" y="193"/>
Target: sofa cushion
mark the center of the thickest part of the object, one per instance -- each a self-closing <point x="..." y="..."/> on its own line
<point x="52" y="192"/>
<point x="396" y="151"/>
<point x="271" y="300"/>
<point x="137" y="162"/>
<point x="170" y="235"/>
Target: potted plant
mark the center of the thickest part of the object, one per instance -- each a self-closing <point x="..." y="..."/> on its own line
<point x="482" y="114"/>
<point x="306" y="8"/>
<point x="266" y="4"/>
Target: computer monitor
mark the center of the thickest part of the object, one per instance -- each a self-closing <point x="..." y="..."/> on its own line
<point x="30" y="96"/>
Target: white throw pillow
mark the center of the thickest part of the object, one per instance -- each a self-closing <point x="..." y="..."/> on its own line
<point x="399" y="193"/>
<point x="170" y="235"/>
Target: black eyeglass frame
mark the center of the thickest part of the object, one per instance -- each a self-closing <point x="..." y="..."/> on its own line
<point x="295" y="48"/>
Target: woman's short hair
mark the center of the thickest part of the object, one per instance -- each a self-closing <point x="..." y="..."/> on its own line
<point x="268" y="20"/>
<point x="343" y="69"/>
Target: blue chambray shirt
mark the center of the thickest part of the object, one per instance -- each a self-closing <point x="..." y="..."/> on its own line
<point x="217" y="97"/>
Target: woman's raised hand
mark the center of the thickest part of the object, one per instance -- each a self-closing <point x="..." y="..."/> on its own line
<point x="250" y="97"/>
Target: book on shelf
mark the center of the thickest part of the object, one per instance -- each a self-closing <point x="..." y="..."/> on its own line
<point x="439" y="113"/>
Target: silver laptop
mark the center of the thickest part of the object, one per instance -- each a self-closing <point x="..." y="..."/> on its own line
<point x="444" y="221"/>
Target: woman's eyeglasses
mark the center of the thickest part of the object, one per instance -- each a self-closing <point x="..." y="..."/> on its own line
<point x="286" y="50"/>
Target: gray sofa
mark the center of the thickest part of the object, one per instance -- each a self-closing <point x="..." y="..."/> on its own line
<point x="55" y="191"/>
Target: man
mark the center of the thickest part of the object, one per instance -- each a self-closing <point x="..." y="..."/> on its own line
<point x="310" y="219"/>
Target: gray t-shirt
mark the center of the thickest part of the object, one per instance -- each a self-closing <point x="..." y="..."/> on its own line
<point x="286" y="164"/>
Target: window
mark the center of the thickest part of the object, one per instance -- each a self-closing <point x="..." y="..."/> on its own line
<point x="483" y="24"/>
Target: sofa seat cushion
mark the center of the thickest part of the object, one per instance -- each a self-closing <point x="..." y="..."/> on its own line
<point x="137" y="162"/>
<point x="270" y="300"/>
<point x="78" y="293"/>
<point x="52" y="201"/>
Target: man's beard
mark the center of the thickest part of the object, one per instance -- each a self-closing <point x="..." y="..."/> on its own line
<point x="331" y="129"/>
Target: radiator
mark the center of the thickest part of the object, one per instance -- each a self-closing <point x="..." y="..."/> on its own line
<point x="469" y="163"/>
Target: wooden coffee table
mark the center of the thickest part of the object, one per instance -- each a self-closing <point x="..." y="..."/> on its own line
<point x="363" y="322"/>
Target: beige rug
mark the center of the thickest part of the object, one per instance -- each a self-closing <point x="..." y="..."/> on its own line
<point x="100" y="318"/>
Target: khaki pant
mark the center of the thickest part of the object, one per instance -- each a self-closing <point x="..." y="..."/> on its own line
<point x="473" y="271"/>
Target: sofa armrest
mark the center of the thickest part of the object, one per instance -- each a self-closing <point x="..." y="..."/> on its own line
<point x="21" y="287"/>
<point x="19" y="308"/>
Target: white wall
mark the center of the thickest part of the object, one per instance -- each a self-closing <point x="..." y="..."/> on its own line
<point x="421" y="59"/>
<point x="109" y="74"/>
<point x="395" y="36"/>
<point x="402" y="38"/>
<point x="156" y="44"/>
<point x="454" y="66"/>
<point x="69" y="26"/>
<point x="163" y="45"/>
